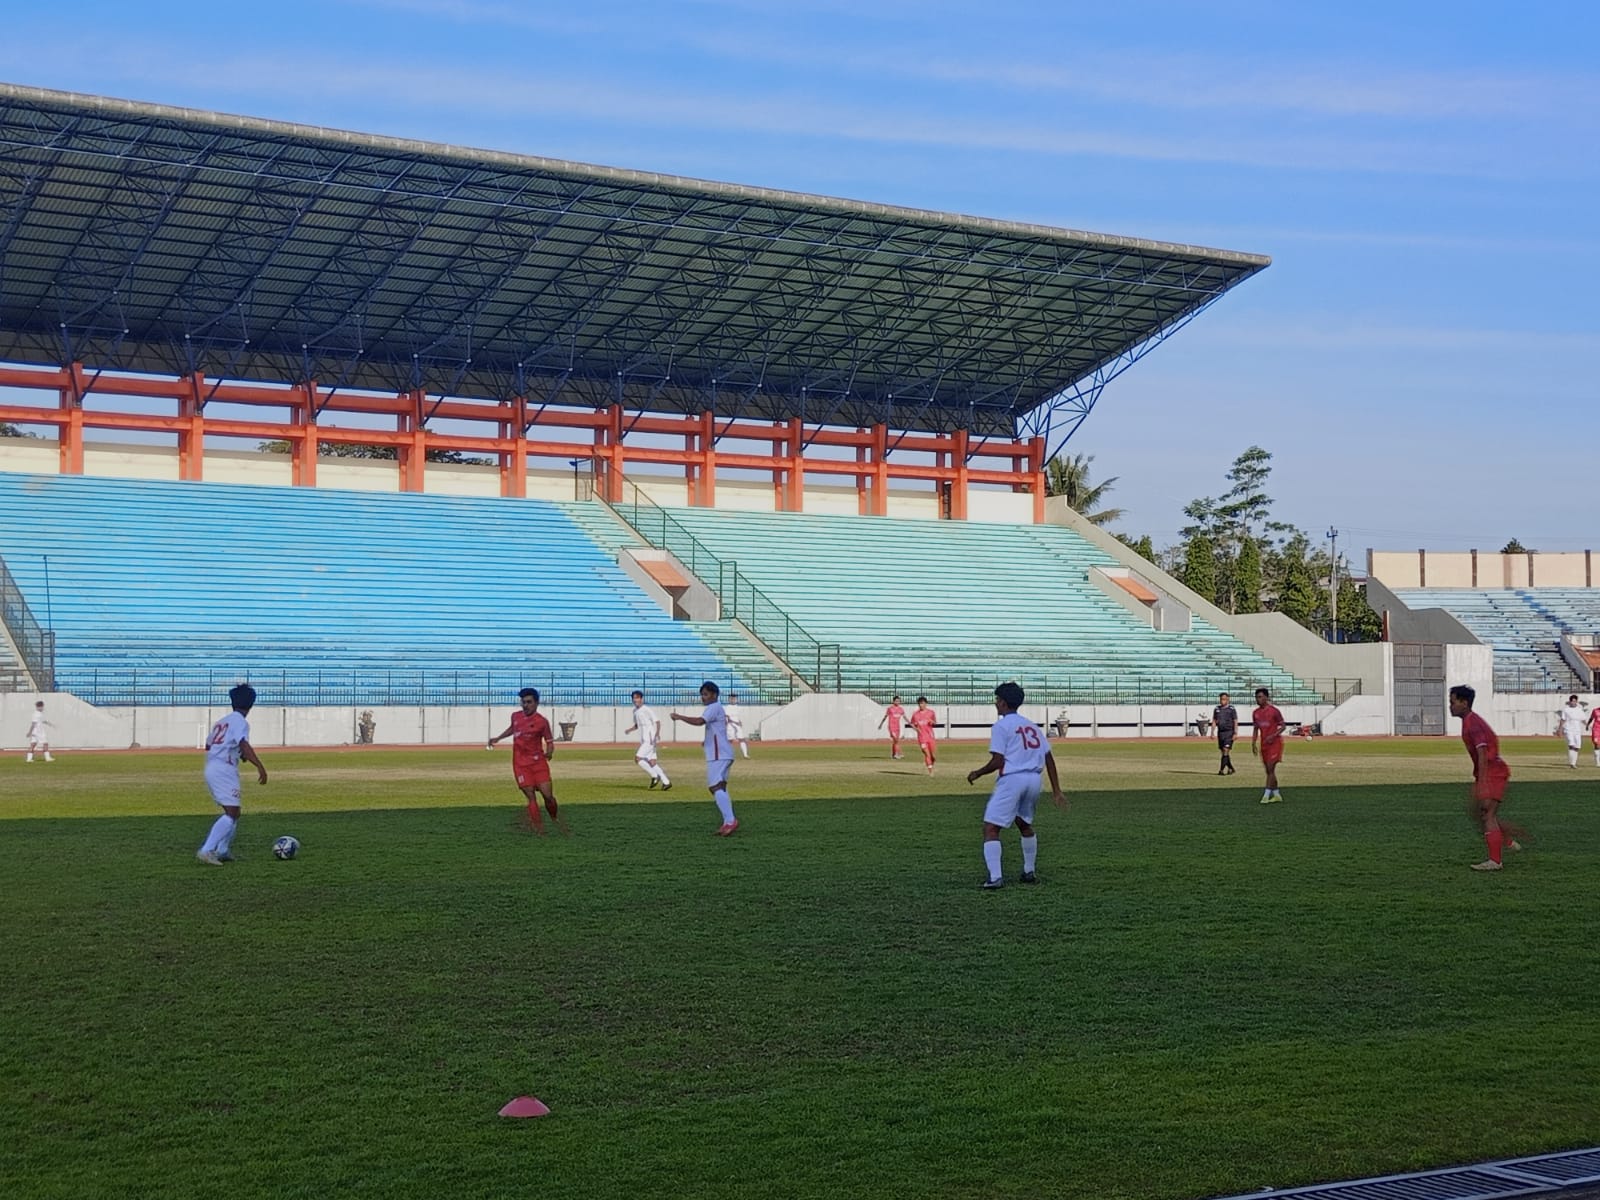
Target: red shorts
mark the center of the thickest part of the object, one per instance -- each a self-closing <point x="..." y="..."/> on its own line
<point x="531" y="774"/>
<point x="1272" y="752"/>
<point x="1493" y="786"/>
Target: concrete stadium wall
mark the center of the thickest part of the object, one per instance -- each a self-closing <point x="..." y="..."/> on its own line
<point x="79" y="726"/>
<point x="1530" y="714"/>
<point x="1476" y="569"/>
<point x="1408" y="624"/>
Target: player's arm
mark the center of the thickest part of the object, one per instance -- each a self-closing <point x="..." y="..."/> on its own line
<point x="687" y="719"/>
<point x="631" y="728"/>
<point x="248" y="753"/>
<point x="997" y="761"/>
<point x="1057" y="796"/>
<point x="882" y="719"/>
<point x="501" y="736"/>
<point x="549" y="743"/>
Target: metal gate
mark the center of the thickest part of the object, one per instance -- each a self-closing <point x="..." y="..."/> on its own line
<point x="1419" y="690"/>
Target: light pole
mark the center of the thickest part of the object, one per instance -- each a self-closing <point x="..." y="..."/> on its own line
<point x="1333" y="582"/>
<point x="573" y="463"/>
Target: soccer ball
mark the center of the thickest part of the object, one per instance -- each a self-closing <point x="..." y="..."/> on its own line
<point x="285" y="847"/>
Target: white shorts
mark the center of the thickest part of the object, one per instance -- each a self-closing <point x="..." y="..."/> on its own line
<point x="35" y="740"/>
<point x="646" y="752"/>
<point x="1013" y="796"/>
<point x="1574" y="741"/>
<point x="717" y="772"/>
<point x="223" y="780"/>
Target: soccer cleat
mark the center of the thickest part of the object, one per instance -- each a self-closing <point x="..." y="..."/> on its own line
<point x="654" y="783"/>
<point x="1028" y="877"/>
<point x="28" y="759"/>
<point x="1487" y="864"/>
<point x="728" y="829"/>
<point x="1272" y="799"/>
<point x="47" y="757"/>
<point x="211" y="860"/>
<point x="993" y="885"/>
<point x="666" y="787"/>
<point x="224" y="856"/>
<point x="1513" y="844"/>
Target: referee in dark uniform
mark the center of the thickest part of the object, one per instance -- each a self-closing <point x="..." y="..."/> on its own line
<point x="1225" y="718"/>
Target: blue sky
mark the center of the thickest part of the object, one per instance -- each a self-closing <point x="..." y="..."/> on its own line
<point x="1422" y="358"/>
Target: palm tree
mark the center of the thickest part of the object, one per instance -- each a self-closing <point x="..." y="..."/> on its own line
<point x="1069" y="478"/>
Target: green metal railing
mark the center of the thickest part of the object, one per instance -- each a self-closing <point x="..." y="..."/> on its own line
<point x="35" y="644"/>
<point x="813" y="661"/>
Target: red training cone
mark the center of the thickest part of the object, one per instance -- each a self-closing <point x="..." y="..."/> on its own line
<point x="526" y="1106"/>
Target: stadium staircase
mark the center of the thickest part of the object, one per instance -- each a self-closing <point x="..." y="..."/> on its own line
<point x="946" y="608"/>
<point x="163" y="592"/>
<point x="1523" y="625"/>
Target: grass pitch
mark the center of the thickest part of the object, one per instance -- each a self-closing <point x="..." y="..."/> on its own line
<point x="1204" y="996"/>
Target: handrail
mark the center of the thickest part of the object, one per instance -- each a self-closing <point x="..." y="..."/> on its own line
<point x="813" y="661"/>
<point x="35" y="644"/>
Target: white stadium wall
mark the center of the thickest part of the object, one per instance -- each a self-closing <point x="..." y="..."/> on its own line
<point x="1478" y="569"/>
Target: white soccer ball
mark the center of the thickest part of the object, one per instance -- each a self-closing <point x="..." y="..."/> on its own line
<point x="285" y="847"/>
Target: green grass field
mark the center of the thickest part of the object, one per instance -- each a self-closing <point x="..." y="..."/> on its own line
<point x="1204" y="996"/>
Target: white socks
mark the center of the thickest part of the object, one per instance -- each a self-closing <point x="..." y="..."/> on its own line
<point x="991" y="858"/>
<point x="1030" y="853"/>
<point x="221" y="834"/>
<point x="662" y="775"/>
<point x="724" y="805"/>
<point x="1572" y="758"/>
<point x="745" y="746"/>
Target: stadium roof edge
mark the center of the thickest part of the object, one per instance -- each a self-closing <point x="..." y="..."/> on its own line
<point x="263" y="125"/>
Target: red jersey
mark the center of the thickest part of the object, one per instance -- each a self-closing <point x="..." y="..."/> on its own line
<point x="1475" y="732"/>
<point x="1594" y="722"/>
<point x="528" y="736"/>
<point x="896" y="714"/>
<point x="1268" y="722"/>
<point x="923" y="720"/>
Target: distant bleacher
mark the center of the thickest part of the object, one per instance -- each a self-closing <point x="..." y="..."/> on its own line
<point x="1523" y="625"/>
<point x="164" y="592"/>
<point x="950" y="607"/>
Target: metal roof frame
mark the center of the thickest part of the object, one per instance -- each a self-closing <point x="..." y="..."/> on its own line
<point x="142" y="237"/>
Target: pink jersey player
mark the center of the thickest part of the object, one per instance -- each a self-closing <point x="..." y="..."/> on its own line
<point x="894" y="716"/>
<point x="923" y="722"/>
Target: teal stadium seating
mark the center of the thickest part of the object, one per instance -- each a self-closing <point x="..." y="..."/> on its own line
<point x="1524" y="625"/>
<point x="949" y="607"/>
<point x="161" y="592"/>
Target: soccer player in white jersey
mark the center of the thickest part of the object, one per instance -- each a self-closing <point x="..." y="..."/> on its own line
<point x="649" y="730"/>
<point x="228" y="743"/>
<point x="719" y="752"/>
<point x="1570" y="723"/>
<point x="1017" y="750"/>
<point x="39" y="733"/>
<point x="736" y="724"/>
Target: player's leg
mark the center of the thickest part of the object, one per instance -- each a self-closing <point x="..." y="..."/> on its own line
<point x="661" y="774"/>
<point x="223" y="783"/>
<point x="45" y="746"/>
<point x="530" y="793"/>
<point x="717" y="784"/>
<point x="1493" y="837"/>
<point x="1597" y="752"/>
<point x="744" y="747"/>
<point x="32" y="744"/>
<point x="999" y="813"/>
<point x="1573" y="746"/>
<point x="1027" y="803"/>
<point x="548" y="791"/>
<point x="648" y="766"/>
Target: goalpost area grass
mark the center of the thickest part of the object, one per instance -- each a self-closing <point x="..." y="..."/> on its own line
<point x="1204" y="996"/>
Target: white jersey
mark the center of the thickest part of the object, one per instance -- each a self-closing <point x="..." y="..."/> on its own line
<point x="649" y="728"/>
<point x="718" y="747"/>
<point x="1021" y="742"/>
<point x="36" y="730"/>
<point x="222" y="747"/>
<point x="735" y="722"/>
<point x="1573" y="722"/>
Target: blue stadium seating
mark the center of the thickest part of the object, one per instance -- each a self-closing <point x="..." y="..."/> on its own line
<point x="159" y="592"/>
<point x="1524" y="625"/>
<point x="949" y="607"/>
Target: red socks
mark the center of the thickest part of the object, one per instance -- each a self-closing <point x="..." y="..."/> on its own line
<point x="1495" y="839"/>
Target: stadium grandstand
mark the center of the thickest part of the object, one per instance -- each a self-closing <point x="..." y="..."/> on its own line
<point x="371" y="420"/>
<point x="1539" y="613"/>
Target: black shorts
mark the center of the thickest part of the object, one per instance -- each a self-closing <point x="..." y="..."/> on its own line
<point x="1224" y="741"/>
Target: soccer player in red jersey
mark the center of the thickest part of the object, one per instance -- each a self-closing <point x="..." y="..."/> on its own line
<point x="894" y="715"/>
<point x="924" y="720"/>
<point x="1267" y="742"/>
<point x="1489" y="777"/>
<point x="532" y="748"/>
<point x="1594" y="732"/>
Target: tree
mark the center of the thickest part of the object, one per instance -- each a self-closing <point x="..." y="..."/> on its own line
<point x="1514" y="547"/>
<point x="1069" y="479"/>
<point x="370" y="450"/>
<point x="1200" y="567"/>
<point x="1357" y="621"/>
<point x="8" y="430"/>
<point x="1247" y="578"/>
<point x="1299" y="597"/>
<point x="1146" y="549"/>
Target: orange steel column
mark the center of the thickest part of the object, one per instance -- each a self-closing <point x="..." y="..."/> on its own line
<point x="514" y="462"/>
<point x="958" y="491"/>
<point x="70" y="438"/>
<point x="708" y="460"/>
<point x="796" y="481"/>
<point x="414" y="458"/>
<point x="192" y="438"/>
<point x="304" y="414"/>
<point x="880" y="470"/>
<point x="616" y="456"/>
<point x="1036" y="469"/>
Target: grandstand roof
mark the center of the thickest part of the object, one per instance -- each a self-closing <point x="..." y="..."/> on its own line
<point x="149" y="238"/>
